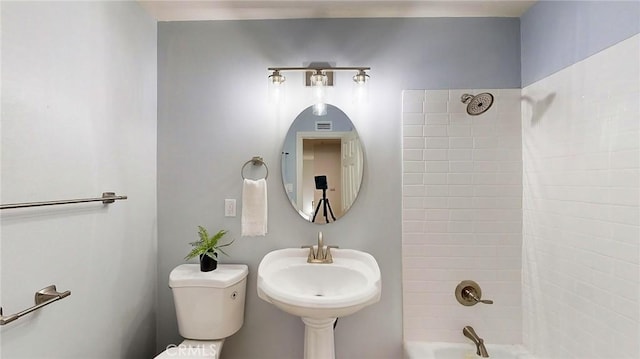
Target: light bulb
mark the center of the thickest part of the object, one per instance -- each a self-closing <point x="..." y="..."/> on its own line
<point x="276" y="87"/>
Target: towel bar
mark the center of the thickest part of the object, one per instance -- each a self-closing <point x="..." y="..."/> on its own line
<point x="107" y="197"/>
<point x="43" y="297"/>
<point x="256" y="161"/>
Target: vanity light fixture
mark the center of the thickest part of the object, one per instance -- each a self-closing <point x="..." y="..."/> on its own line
<point x="319" y="78"/>
<point x="316" y="75"/>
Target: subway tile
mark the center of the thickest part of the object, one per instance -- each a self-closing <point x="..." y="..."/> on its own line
<point x="435" y="154"/>
<point x="412" y="107"/>
<point x="435" y="107"/>
<point x="435" y="178"/>
<point x="413" y="190"/>
<point x="436" y="142"/>
<point x="460" y="191"/>
<point x="458" y="131"/>
<point x="435" y="202"/>
<point x="436" y="226"/>
<point x="460" y="178"/>
<point x="412" y="203"/>
<point x="413" y="215"/>
<point x="459" y="119"/>
<point x="486" y="166"/>
<point x="436" y="190"/>
<point x="412" y="155"/>
<point x="413" y="143"/>
<point x="412" y="131"/>
<point x="437" y="166"/>
<point x="412" y="178"/>
<point x="437" y="95"/>
<point x="459" y="202"/>
<point x="485" y="142"/>
<point x="413" y="118"/>
<point x="437" y="214"/>
<point x="435" y="131"/>
<point x="437" y="119"/>
<point x="413" y="96"/>
<point x="413" y="227"/>
<point x="414" y="166"/>
<point x="460" y="166"/>
<point x="461" y="142"/>
<point x="459" y="154"/>
<point x="625" y="159"/>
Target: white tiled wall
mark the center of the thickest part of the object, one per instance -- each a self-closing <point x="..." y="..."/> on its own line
<point x="581" y="141"/>
<point x="462" y="212"/>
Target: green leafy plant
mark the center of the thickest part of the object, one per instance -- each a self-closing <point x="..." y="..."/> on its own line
<point x="208" y="245"/>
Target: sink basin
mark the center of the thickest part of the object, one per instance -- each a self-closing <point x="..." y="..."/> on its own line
<point x="319" y="290"/>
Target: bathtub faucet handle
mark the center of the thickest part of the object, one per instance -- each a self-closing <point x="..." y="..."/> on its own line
<point x="469" y="293"/>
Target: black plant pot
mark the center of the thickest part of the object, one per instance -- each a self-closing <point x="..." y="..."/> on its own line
<point x="207" y="264"/>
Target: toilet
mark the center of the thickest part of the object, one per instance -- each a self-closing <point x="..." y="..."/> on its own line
<point x="209" y="308"/>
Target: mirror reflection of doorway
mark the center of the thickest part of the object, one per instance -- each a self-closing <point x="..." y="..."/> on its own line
<point x="322" y="158"/>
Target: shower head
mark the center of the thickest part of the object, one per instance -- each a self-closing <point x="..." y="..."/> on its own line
<point x="477" y="104"/>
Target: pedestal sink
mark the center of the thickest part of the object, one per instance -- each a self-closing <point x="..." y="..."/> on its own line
<point x="319" y="293"/>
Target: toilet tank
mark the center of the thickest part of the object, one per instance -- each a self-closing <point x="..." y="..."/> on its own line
<point x="209" y="305"/>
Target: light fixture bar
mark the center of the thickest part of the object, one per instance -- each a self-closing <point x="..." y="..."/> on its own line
<point x="355" y="68"/>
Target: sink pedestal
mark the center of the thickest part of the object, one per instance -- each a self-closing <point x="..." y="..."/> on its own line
<point x="318" y="338"/>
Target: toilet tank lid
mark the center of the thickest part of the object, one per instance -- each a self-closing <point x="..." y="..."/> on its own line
<point x="189" y="275"/>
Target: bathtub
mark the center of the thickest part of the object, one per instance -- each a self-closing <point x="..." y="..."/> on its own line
<point x="435" y="350"/>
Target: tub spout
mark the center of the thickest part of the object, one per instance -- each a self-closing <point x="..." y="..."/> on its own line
<point x="479" y="342"/>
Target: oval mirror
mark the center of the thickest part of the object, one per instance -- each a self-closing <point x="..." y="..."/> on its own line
<point x="322" y="162"/>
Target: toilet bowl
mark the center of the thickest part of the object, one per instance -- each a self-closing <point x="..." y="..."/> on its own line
<point x="209" y="308"/>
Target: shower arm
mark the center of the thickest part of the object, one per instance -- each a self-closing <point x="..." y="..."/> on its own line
<point x="466" y="98"/>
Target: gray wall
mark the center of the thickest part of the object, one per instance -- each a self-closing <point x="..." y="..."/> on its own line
<point x="557" y="34"/>
<point x="79" y="84"/>
<point x="213" y="116"/>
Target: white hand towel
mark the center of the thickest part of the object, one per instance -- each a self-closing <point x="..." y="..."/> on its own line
<point x="254" y="207"/>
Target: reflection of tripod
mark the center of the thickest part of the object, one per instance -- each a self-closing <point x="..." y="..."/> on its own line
<point x="325" y="204"/>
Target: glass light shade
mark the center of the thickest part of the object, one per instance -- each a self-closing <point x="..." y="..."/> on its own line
<point x="360" y="90"/>
<point x="319" y="79"/>
<point x="319" y="94"/>
<point x="361" y="77"/>
<point x="276" y="88"/>
<point x="276" y="78"/>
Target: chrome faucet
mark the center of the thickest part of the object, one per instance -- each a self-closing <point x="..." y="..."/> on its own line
<point x="322" y="254"/>
<point x="479" y="342"/>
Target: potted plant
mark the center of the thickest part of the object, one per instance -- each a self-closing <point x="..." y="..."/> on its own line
<point x="207" y="248"/>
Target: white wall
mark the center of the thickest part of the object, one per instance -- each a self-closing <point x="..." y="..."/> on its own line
<point x="581" y="143"/>
<point x="461" y="216"/>
<point x="79" y="118"/>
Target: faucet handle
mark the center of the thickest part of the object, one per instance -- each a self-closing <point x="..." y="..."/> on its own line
<point x="328" y="257"/>
<point x="311" y="254"/>
<point x="469" y="293"/>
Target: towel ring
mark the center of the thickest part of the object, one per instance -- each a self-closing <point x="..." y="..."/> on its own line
<point x="256" y="161"/>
